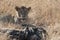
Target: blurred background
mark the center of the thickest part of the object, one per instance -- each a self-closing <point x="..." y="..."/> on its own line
<point x="46" y="12"/>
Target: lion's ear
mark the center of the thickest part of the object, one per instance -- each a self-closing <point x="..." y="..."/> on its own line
<point x="29" y="8"/>
<point x="17" y="8"/>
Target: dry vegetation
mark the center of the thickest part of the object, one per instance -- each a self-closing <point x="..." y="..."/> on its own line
<point x="46" y="12"/>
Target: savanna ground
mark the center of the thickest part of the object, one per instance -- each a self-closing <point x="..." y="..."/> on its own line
<point x="46" y="12"/>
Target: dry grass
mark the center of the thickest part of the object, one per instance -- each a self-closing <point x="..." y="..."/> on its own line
<point x="42" y="11"/>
